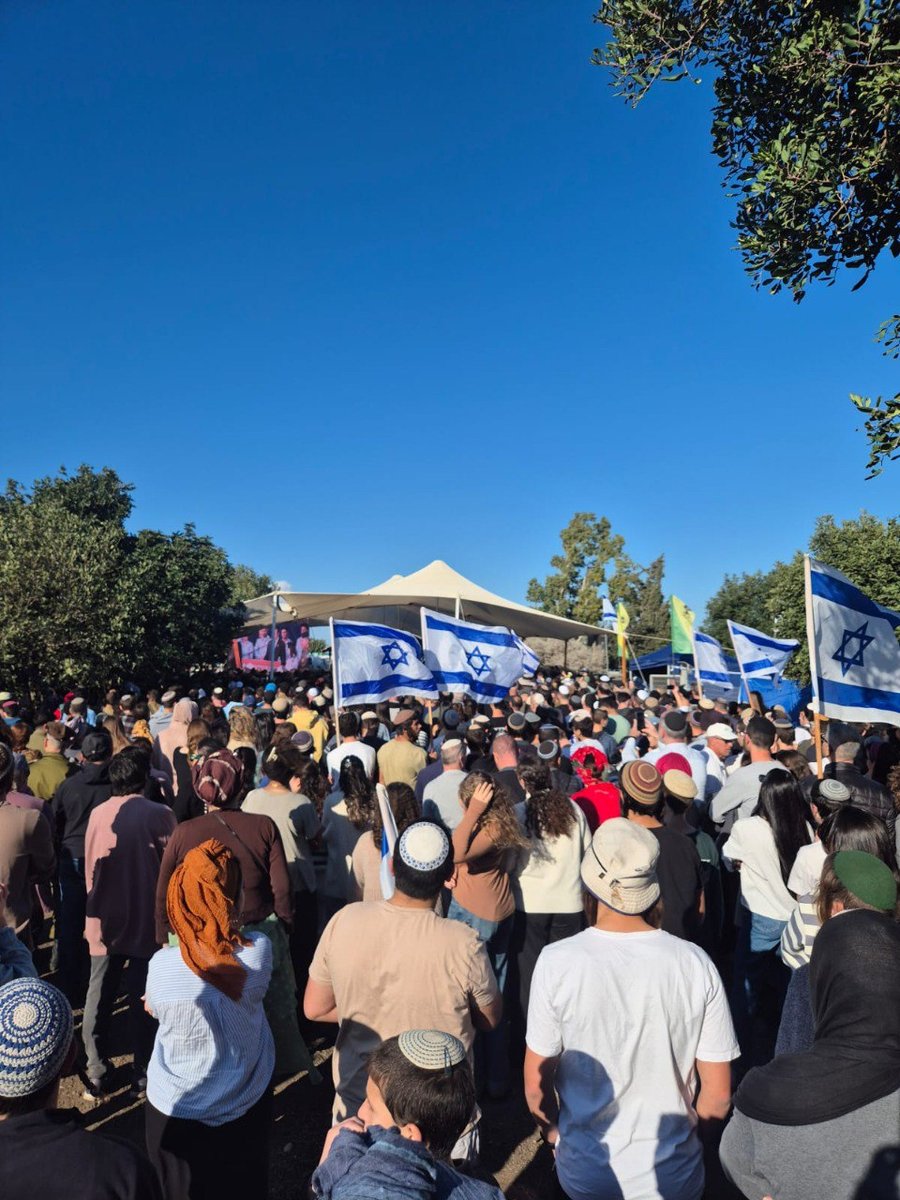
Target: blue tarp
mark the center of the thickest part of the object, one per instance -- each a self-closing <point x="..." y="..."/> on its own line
<point x="788" y="693"/>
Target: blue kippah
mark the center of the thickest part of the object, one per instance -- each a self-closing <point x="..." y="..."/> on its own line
<point x="35" y="1036"/>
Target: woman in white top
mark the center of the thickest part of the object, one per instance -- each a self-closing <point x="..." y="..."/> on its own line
<point x="763" y="848"/>
<point x="546" y="876"/>
<point x="826" y="798"/>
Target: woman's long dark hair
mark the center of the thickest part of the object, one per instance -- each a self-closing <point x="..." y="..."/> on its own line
<point x="357" y="791"/>
<point x="549" y="813"/>
<point x="404" y="806"/>
<point x="782" y="805"/>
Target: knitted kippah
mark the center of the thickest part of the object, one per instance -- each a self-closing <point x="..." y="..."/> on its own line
<point x="424" y="846"/>
<point x="431" y="1049"/>
<point x="834" y="791"/>
<point x="642" y="782"/>
<point x="35" y="1035"/>
<point x="867" y="877"/>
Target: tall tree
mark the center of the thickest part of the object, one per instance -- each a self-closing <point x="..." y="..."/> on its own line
<point x="591" y="555"/>
<point x="806" y="125"/>
<point x="866" y="549"/>
<point x="742" y="598"/>
<point x="247" y="584"/>
<point x="84" y="601"/>
<point x="647" y="607"/>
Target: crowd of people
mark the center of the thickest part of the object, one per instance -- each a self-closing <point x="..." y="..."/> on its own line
<point x="662" y="919"/>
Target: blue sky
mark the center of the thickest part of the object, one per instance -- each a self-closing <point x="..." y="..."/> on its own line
<point x="355" y="286"/>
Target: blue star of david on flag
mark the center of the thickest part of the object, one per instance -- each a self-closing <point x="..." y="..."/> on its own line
<point x="478" y="661"/>
<point x="863" y="638"/>
<point x="394" y="656"/>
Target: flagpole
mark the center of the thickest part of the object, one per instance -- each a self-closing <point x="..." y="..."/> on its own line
<point x="272" y="649"/>
<point x="813" y="666"/>
<point x="739" y="661"/>
<point x="696" y="667"/>
<point x="636" y="663"/>
<point x="337" y="684"/>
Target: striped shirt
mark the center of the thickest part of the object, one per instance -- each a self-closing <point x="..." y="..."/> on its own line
<point x="213" y="1057"/>
<point x="799" y="934"/>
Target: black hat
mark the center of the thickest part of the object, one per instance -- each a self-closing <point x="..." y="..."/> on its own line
<point x="96" y="745"/>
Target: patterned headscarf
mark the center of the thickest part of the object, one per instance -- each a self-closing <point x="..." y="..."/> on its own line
<point x="217" y="778"/>
<point x="200" y="912"/>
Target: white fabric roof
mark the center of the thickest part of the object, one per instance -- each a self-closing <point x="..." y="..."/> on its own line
<point x="397" y="601"/>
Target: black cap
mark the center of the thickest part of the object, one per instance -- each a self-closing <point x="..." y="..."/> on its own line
<point x="515" y="722"/>
<point x="96" y="745"/>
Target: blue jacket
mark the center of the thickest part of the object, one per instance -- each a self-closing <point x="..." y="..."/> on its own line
<point x="381" y="1164"/>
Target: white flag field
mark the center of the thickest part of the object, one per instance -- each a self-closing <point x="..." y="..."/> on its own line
<point x="709" y="662"/>
<point x="376" y="662"/>
<point x="760" y="656"/>
<point x="481" y="661"/>
<point x="853" y="650"/>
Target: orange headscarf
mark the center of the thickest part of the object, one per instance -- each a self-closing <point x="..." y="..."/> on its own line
<point x="200" y="912"/>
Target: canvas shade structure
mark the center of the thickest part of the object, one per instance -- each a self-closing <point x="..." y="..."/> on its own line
<point x="397" y="602"/>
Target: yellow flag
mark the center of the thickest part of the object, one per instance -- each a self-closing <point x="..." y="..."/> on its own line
<point x="682" y="622"/>
<point x="622" y="622"/>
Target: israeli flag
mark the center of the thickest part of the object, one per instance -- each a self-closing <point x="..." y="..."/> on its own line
<point x="481" y="661"/>
<point x="388" y="841"/>
<point x="530" y="661"/>
<point x="375" y="662"/>
<point x="853" y="650"/>
<point x="760" y="656"/>
<point x="709" y="661"/>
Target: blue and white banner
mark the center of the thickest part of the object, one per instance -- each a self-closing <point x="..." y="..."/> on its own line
<point x="760" y="656"/>
<point x="709" y="661"/>
<point x="853" y="650"/>
<point x="388" y="841"/>
<point x="530" y="661"/>
<point x="481" y="661"/>
<point x="375" y="662"/>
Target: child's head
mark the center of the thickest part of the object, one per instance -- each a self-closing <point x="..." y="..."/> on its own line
<point x="422" y="1083"/>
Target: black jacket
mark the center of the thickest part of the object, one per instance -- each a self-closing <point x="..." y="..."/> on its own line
<point x="864" y="792"/>
<point x="75" y="800"/>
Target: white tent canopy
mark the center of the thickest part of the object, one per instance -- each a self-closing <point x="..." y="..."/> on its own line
<point x="397" y="602"/>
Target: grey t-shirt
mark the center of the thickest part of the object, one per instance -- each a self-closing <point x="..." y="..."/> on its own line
<point x="827" y="1161"/>
<point x="740" y="793"/>
<point x="440" y="800"/>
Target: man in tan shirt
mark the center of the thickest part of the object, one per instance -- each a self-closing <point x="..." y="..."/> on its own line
<point x="385" y="967"/>
<point x="400" y="760"/>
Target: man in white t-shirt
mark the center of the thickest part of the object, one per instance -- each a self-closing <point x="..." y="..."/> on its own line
<point x="348" y="727"/>
<point x="623" y="1021"/>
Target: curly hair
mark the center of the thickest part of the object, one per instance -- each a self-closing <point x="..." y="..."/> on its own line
<point x="500" y="820"/>
<point x="404" y="806"/>
<point x="242" y="725"/>
<point x="549" y="813"/>
<point x="314" y="785"/>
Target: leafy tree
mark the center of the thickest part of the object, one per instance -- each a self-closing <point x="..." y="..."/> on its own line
<point x="866" y="550"/>
<point x="647" y="607"/>
<point x="247" y="584"/>
<point x="591" y="555"/>
<point x="742" y="598"/>
<point x="806" y="124"/>
<point x="84" y="601"/>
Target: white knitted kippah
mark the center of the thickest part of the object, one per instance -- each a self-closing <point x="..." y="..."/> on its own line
<point x="424" y="846"/>
<point x="431" y="1049"/>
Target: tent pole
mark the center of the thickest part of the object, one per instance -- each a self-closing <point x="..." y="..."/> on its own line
<point x="272" y="650"/>
<point x="457" y="607"/>
<point x="565" y="654"/>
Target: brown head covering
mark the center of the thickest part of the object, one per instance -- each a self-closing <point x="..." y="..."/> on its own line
<point x="217" y="779"/>
<point x="200" y="911"/>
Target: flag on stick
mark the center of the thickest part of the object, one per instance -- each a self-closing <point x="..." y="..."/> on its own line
<point x="760" y="656"/>
<point x="853" y="651"/>
<point x="481" y="661"/>
<point x="682" y="623"/>
<point x="388" y="840"/>
<point x="709" y="661"/>
<point x="622" y="622"/>
<point x="376" y="662"/>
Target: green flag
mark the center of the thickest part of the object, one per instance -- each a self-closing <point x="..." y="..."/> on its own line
<point x="682" y="620"/>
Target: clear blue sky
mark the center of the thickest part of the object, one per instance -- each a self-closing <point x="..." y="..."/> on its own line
<point x="353" y="286"/>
